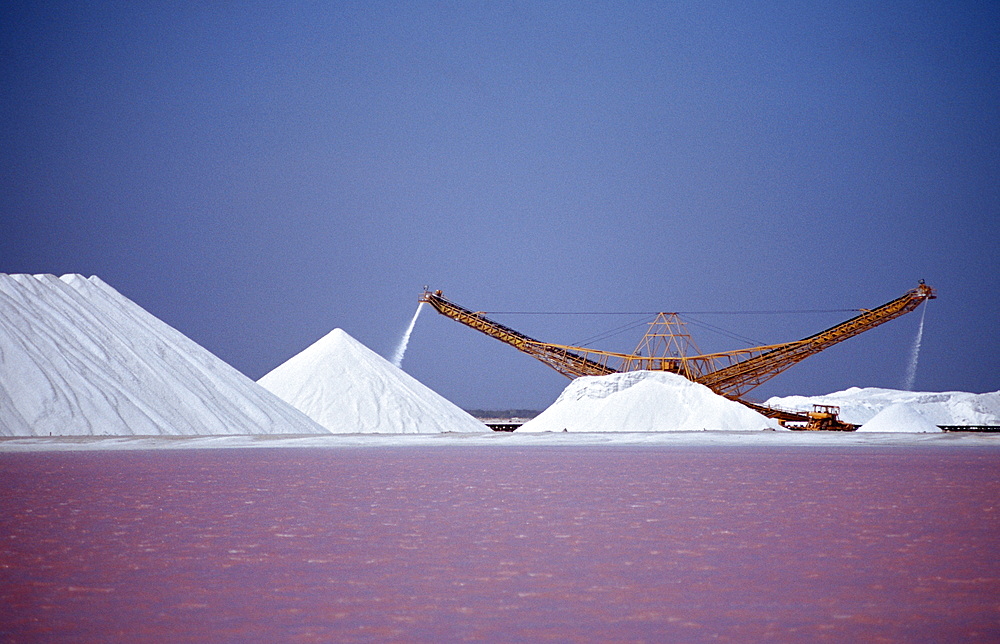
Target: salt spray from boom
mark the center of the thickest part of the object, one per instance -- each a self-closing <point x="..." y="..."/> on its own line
<point x="911" y="369"/>
<point x="397" y="356"/>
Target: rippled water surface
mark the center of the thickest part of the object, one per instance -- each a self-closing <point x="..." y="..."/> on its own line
<point x="454" y="543"/>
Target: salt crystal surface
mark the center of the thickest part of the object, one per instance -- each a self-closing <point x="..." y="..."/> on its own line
<point x="900" y="417"/>
<point x="348" y="388"/>
<point x="643" y="401"/>
<point x="79" y="359"/>
<point x="859" y="405"/>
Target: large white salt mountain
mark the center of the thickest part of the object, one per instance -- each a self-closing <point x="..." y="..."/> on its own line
<point x="643" y="401"/>
<point x="348" y="388"/>
<point x="900" y="417"/>
<point x="859" y="405"/>
<point x="78" y="358"/>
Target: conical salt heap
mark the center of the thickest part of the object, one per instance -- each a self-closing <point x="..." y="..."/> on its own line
<point x="900" y="417"/>
<point x="78" y="358"/>
<point x="348" y="388"/>
<point x="643" y="401"/>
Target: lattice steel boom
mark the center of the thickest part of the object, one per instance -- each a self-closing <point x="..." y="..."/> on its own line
<point x="729" y="373"/>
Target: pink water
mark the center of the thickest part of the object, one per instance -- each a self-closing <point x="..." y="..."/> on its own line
<point x="603" y="544"/>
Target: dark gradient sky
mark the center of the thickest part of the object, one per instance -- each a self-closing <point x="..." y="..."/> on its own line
<point x="256" y="174"/>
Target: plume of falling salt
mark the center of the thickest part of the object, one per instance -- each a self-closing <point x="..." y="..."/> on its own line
<point x="397" y="356"/>
<point x="911" y="368"/>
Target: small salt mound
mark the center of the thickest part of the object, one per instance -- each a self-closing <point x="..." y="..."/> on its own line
<point x="900" y="417"/>
<point x="348" y="388"/>
<point x="859" y="405"/>
<point x="643" y="401"/>
<point x="77" y="358"/>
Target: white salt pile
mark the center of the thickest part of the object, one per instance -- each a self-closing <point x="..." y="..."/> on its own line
<point x="643" y="401"/>
<point x="859" y="405"/>
<point x="899" y="417"/>
<point x="78" y="358"/>
<point x="348" y="388"/>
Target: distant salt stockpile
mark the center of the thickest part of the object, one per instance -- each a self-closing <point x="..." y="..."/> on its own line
<point x="900" y="417"/>
<point x="348" y="388"/>
<point x="643" y="401"/>
<point x="860" y="405"/>
<point x="77" y="358"/>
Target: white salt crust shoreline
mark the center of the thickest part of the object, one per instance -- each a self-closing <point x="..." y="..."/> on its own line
<point x="752" y="439"/>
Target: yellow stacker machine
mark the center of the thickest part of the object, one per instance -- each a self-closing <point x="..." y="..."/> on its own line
<point x="667" y="346"/>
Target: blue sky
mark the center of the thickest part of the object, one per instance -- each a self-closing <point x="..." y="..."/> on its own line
<point x="256" y="174"/>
